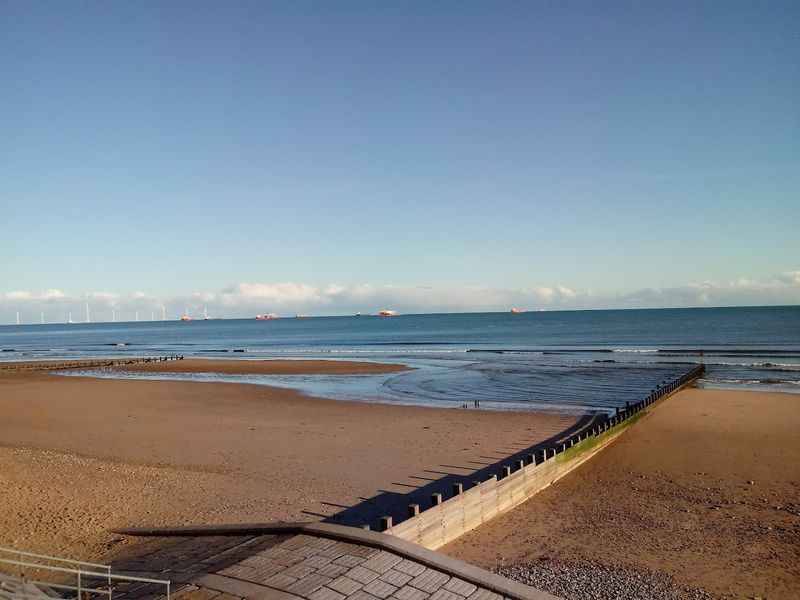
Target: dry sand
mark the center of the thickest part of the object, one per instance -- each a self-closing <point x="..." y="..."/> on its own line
<point x="706" y="488"/>
<point x="81" y="455"/>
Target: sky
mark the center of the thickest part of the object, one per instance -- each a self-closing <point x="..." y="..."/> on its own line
<point x="326" y="158"/>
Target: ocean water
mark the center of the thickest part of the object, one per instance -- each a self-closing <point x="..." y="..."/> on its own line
<point x="569" y="360"/>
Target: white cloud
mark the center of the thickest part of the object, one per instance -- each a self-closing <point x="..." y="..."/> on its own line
<point x="51" y="294"/>
<point x="249" y="298"/>
<point x="790" y="277"/>
<point x="277" y="293"/>
<point x="18" y="295"/>
<point x="103" y="296"/>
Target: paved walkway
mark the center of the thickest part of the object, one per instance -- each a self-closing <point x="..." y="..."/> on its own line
<point x="303" y="566"/>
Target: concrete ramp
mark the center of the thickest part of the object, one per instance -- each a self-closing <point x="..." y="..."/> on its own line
<point x="308" y="561"/>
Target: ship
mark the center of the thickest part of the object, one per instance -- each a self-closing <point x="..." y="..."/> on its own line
<point x="266" y="317"/>
<point x="186" y="316"/>
<point x="387" y="313"/>
<point x="517" y="311"/>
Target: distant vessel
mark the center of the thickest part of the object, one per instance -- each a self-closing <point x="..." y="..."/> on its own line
<point x="205" y="313"/>
<point x="387" y="313"/>
<point x="266" y="317"/>
<point x="358" y="314"/>
<point x="185" y="316"/>
<point x="69" y="319"/>
<point x="517" y="311"/>
<point x="301" y="316"/>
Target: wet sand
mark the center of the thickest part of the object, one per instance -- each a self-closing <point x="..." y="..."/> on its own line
<point x="81" y="455"/>
<point x="265" y="367"/>
<point x="706" y="489"/>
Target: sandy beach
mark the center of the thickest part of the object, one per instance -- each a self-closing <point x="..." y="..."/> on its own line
<point x="81" y="455"/>
<point x="705" y="489"/>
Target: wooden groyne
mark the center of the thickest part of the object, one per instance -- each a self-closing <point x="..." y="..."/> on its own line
<point x="84" y="364"/>
<point x="470" y="504"/>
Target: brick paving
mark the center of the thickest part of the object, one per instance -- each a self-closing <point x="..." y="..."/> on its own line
<point x="289" y="567"/>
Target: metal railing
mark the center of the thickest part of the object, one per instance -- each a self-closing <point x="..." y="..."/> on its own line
<point x="20" y="553"/>
<point x="97" y="581"/>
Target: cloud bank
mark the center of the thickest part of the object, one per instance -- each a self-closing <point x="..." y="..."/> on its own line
<point x="289" y="298"/>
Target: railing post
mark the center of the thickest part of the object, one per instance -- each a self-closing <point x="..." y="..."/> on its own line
<point x="79" y="585"/>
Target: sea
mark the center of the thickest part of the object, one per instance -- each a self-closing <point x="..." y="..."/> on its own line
<point x="569" y="361"/>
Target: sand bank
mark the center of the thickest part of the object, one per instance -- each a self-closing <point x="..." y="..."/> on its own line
<point x="81" y="455"/>
<point x="266" y="367"/>
<point x="706" y="488"/>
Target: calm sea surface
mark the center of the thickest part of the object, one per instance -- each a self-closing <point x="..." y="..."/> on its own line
<point x="560" y="360"/>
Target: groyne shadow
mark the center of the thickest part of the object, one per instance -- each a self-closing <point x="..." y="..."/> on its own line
<point x="393" y="504"/>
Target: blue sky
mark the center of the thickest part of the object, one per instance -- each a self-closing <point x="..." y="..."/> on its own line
<point x="172" y="150"/>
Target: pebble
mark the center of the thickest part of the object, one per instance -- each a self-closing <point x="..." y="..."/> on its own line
<point x="594" y="581"/>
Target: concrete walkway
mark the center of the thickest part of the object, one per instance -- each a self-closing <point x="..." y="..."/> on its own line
<point x="320" y="562"/>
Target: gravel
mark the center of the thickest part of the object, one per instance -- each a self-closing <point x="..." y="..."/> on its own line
<point x="594" y="581"/>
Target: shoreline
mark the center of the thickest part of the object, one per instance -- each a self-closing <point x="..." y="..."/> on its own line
<point x="238" y="366"/>
<point x="224" y="365"/>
